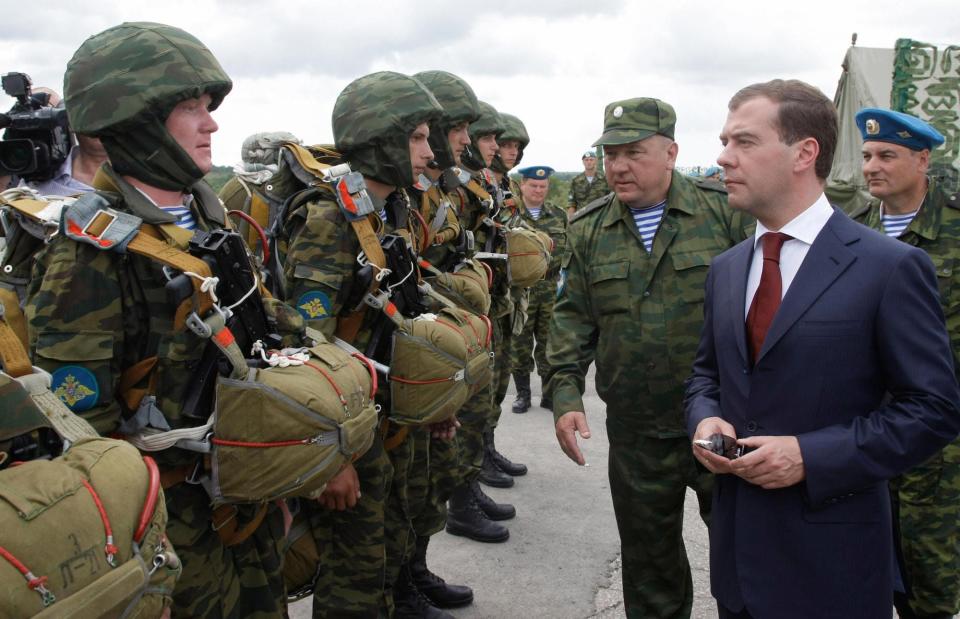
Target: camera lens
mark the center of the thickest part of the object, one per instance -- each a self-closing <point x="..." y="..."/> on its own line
<point x="17" y="157"/>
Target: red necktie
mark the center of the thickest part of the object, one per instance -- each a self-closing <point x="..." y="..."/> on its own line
<point x="766" y="301"/>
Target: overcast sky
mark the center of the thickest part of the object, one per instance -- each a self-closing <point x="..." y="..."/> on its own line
<point x="555" y="64"/>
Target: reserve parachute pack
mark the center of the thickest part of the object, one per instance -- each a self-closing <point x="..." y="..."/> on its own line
<point x="82" y="534"/>
<point x="528" y="250"/>
<point x="437" y="360"/>
<point x="283" y="422"/>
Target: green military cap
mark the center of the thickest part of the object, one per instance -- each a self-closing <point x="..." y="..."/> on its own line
<point x="632" y="120"/>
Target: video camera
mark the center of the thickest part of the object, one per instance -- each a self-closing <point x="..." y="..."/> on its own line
<point x="37" y="137"/>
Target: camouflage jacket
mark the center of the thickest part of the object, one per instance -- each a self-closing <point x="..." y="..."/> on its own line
<point x="583" y="193"/>
<point x="936" y="230"/>
<point x="553" y="221"/>
<point x="93" y="314"/>
<point x="472" y="214"/>
<point x="638" y="315"/>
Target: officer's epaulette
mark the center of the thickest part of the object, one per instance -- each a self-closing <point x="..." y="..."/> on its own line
<point x="954" y="200"/>
<point x="596" y="205"/>
<point x="710" y="185"/>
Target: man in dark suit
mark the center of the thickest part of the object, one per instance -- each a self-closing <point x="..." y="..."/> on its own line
<point x="824" y="353"/>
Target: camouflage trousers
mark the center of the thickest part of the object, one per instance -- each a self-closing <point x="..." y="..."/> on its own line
<point x="244" y="580"/>
<point x="441" y="462"/>
<point x="648" y="481"/>
<point x="352" y="581"/>
<point x="926" y="502"/>
<point x="531" y="344"/>
<point x="474" y="418"/>
<point x="397" y="519"/>
<point x="502" y="366"/>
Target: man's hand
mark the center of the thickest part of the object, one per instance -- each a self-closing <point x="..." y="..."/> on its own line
<point x="715" y="463"/>
<point x="567" y="427"/>
<point x="776" y="462"/>
<point x="343" y="491"/>
<point x="444" y="430"/>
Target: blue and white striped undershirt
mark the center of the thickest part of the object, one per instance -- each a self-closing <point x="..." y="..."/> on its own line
<point x="184" y="216"/>
<point x="895" y="225"/>
<point x="647" y="220"/>
<point x="534" y="212"/>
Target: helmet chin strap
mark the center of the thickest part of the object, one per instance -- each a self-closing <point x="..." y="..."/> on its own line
<point x="147" y="152"/>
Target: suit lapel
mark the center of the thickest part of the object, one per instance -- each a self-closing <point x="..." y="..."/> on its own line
<point x="737" y="285"/>
<point x="827" y="258"/>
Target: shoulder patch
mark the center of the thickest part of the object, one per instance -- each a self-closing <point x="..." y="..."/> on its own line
<point x="314" y="305"/>
<point x="709" y="185"/>
<point x="593" y="207"/>
<point x="76" y="386"/>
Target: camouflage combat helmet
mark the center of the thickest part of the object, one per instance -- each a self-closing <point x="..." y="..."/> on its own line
<point x="490" y="122"/>
<point x="514" y="129"/>
<point x="121" y="86"/>
<point x="459" y="105"/>
<point x="372" y="121"/>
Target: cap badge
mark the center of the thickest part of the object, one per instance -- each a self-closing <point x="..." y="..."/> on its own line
<point x="872" y="126"/>
<point x="618" y="111"/>
<point x="541" y="172"/>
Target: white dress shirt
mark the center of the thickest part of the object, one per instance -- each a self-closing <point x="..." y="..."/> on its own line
<point x="804" y="229"/>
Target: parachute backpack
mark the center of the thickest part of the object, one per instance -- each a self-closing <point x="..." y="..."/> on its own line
<point x="83" y="534"/>
<point x="437" y="360"/>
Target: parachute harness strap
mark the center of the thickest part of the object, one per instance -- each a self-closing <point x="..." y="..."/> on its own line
<point x="37" y="584"/>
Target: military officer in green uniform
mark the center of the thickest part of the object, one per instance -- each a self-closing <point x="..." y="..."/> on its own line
<point x="910" y="205"/>
<point x="100" y="321"/>
<point x="531" y="343"/>
<point x="588" y="185"/>
<point x="631" y="300"/>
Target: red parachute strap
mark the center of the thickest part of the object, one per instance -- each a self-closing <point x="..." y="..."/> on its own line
<point x="330" y="380"/>
<point x="37" y="584"/>
<point x="486" y="319"/>
<point x="256" y="226"/>
<point x="150" y="504"/>
<point x="424" y="227"/>
<point x="110" y="548"/>
<point x="373" y="372"/>
<point x="291" y="443"/>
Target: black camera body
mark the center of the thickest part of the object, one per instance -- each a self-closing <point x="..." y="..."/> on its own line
<point x="37" y="137"/>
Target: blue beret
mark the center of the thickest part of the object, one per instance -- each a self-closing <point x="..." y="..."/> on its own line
<point x="589" y="153"/>
<point x="897" y="128"/>
<point x="712" y="170"/>
<point x="539" y="172"/>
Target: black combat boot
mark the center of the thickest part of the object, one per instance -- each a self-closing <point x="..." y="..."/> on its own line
<point x="465" y="518"/>
<point x="493" y="510"/>
<point x="522" y="403"/>
<point x="502" y="462"/>
<point x="490" y="473"/>
<point x="409" y="603"/>
<point x="437" y="591"/>
<point x="546" y="402"/>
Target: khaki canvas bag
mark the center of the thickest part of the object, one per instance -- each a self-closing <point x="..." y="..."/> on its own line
<point x="310" y="414"/>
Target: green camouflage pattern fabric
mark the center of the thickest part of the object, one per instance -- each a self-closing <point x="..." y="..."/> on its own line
<point x="86" y="310"/>
<point x="531" y="343"/>
<point x="583" y="192"/>
<point x="459" y="105"/>
<point x="20" y="414"/>
<point x="353" y="582"/>
<point x="629" y="310"/>
<point x="428" y="494"/>
<point x="632" y="120"/>
<point x="649" y="478"/>
<point x="638" y="316"/>
<point x="373" y="118"/>
<point x="514" y="129"/>
<point x="928" y="496"/>
<point x="137" y="68"/>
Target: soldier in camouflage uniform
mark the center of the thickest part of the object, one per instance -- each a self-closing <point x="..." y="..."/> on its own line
<point x="633" y="303"/>
<point x="146" y="90"/>
<point x="587" y="186"/>
<point x="926" y="499"/>
<point x="485" y="222"/>
<point x="381" y="126"/>
<point x="540" y="215"/>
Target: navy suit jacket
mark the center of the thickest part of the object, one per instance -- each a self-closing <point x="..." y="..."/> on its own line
<point x="857" y="365"/>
